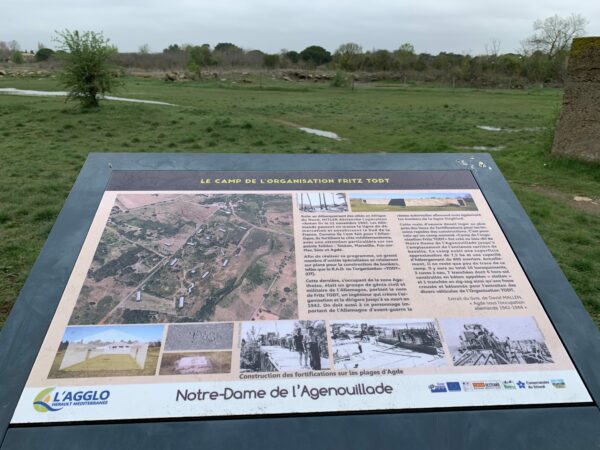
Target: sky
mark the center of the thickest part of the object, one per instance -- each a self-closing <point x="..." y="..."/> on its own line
<point x="460" y="26"/>
<point x="143" y="333"/>
<point x="428" y="194"/>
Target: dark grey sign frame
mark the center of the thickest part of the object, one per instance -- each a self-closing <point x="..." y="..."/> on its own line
<point x="547" y="427"/>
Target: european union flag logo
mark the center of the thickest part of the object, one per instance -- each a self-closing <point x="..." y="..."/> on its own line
<point x="453" y="386"/>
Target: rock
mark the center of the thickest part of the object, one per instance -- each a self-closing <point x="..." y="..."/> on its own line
<point x="3" y="73"/>
<point x="577" y="133"/>
<point x="171" y="76"/>
<point x="285" y="78"/>
<point x="582" y="199"/>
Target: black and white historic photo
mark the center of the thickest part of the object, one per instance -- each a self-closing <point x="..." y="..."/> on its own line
<point x="386" y="344"/>
<point x="480" y="341"/>
<point x="283" y="346"/>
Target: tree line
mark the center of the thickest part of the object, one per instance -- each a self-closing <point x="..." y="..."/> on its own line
<point x="88" y="60"/>
<point x="541" y="59"/>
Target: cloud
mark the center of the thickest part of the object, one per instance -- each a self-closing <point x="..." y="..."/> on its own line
<point x="432" y="26"/>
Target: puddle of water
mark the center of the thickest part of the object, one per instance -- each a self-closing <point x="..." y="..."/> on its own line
<point x="327" y="134"/>
<point x="509" y="130"/>
<point x="31" y="93"/>
<point x="483" y="147"/>
<point x="488" y="128"/>
<point x="135" y="100"/>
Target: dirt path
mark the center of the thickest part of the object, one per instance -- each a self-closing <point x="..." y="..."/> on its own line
<point x="588" y="206"/>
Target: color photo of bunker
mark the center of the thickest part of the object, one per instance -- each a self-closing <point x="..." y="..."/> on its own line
<point x="284" y="346"/>
<point x="411" y="201"/>
<point x="104" y="351"/>
<point x="192" y="258"/>
<point x="195" y="363"/>
<point x="481" y="341"/>
<point x="378" y="344"/>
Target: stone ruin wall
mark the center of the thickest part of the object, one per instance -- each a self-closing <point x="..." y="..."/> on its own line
<point x="139" y="353"/>
<point x="577" y="133"/>
<point x="74" y="354"/>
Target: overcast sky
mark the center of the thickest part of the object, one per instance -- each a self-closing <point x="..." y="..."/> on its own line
<point x="461" y="26"/>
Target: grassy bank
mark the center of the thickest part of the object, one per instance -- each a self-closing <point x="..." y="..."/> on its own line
<point x="44" y="142"/>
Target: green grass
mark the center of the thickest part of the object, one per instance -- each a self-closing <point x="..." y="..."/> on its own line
<point x="44" y="142"/>
<point x="105" y="363"/>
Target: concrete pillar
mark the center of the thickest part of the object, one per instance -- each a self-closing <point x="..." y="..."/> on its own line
<point x="577" y="133"/>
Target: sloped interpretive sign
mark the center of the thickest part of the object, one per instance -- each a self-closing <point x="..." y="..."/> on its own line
<point x="208" y="287"/>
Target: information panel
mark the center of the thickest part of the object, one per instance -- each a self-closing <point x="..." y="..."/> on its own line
<point x="245" y="293"/>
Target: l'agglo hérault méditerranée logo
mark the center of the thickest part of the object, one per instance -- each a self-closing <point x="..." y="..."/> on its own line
<point x="49" y="401"/>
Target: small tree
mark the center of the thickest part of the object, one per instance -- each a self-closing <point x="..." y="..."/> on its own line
<point x="292" y="55"/>
<point x="316" y="55"/>
<point x="43" y="54"/>
<point x="88" y="74"/>
<point x="17" y="57"/>
<point x="199" y="56"/>
<point x="144" y="49"/>
<point x="349" y="56"/>
<point x="271" y="61"/>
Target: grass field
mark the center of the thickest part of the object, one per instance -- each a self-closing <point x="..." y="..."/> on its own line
<point x="106" y="366"/>
<point x="44" y="142"/>
<point x="105" y="363"/>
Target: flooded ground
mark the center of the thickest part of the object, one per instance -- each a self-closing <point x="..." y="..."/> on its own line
<point x="27" y="92"/>
<point x="485" y="148"/>
<point x="509" y="130"/>
<point x="327" y="134"/>
<point x="315" y="131"/>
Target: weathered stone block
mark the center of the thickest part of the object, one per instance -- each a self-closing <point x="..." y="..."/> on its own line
<point x="577" y="132"/>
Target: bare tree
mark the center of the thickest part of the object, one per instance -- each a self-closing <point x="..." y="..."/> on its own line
<point x="492" y="48"/>
<point x="14" y="46"/>
<point x="144" y="49"/>
<point x="554" y="34"/>
<point x="4" y="51"/>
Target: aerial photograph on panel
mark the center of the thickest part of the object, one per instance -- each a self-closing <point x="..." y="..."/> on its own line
<point x="192" y="258"/>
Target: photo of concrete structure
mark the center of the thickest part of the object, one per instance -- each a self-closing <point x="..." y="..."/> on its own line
<point x="481" y="341"/>
<point x="195" y="363"/>
<point x="107" y="351"/>
<point x="322" y="202"/>
<point x="283" y="346"/>
<point x="377" y="344"/>
<point x="412" y="201"/>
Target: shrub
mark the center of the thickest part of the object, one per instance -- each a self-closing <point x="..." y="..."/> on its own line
<point x="340" y="79"/>
<point x="43" y="54"/>
<point x="17" y="57"/>
<point x="88" y="74"/>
